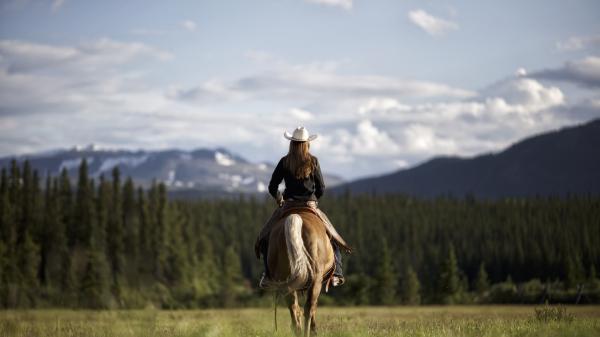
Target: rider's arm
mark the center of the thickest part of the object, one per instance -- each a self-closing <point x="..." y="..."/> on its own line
<point x="276" y="179"/>
<point x="319" y="183"/>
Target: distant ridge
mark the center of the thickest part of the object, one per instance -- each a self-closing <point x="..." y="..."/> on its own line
<point x="557" y="163"/>
<point x="205" y="173"/>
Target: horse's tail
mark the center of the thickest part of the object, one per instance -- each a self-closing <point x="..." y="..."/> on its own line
<point x="300" y="261"/>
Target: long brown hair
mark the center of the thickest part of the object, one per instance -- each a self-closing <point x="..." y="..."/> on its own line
<point x="298" y="160"/>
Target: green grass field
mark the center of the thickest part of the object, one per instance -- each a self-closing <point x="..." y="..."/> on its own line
<point x="432" y="321"/>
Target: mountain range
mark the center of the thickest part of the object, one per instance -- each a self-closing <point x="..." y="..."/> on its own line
<point x="197" y="173"/>
<point x="558" y="163"/>
<point x="562" y="162"/>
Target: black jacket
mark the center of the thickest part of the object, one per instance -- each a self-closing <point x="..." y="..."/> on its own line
<point x="310" y="188"/>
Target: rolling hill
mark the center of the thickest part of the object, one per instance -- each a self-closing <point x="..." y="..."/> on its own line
<point x="557" y="163"/>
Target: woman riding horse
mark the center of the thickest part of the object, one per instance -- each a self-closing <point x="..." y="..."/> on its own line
<point x="303" y="187"/>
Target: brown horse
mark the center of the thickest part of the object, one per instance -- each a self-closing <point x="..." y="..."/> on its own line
<point x="309" y="257"/>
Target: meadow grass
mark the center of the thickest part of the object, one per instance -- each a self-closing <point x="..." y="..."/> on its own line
<point x="443" y="321"/>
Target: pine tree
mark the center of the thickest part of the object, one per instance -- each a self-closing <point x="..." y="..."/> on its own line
<point x="94" y="284"/>
<point x="7" y="242"/>
<point x="158" y="198"/>
<point x="385" y="277"/>
<point x="103" y="209"/>
<point x="14" y="188"/>
<point x="146" y="264"/>
<point x="3" y="181"/>
<point x="58" y="265"/>
<point x="82" y="217"/>
<point x="574" y="271"/>
<point x="28" y="259"/>
<point x="411" y="287"/>
<point x="11" y="275"/>
<point x="362" y="285"/>
<point x="37" y="209"/>
<point x="65" y="205"/>
<point x="208" y="282"/>
<point x="176" y="265"/>
<point x="232" y="278"/>
<point x="131" y="224"/>
<point x="593" y="281"/>
<point x="67" y="280"/>
<point x="6" y="221"/>
<point x="115" y="228"/>
<point x="482" y="283"/>
<point x="46" y="242"/>
<point x="28" y="251"/>
<point x="449" y="286"/>
<point x="26" y="203"/>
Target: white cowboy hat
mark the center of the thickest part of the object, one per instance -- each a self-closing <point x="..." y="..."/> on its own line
<point x="300" y="135"/>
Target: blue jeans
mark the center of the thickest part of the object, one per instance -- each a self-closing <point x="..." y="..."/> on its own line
<point x="338" y="259"/>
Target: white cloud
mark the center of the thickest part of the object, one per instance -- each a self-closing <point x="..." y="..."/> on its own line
<point x="522" y="95"/>
<point x="401" y="163"/>
<point x="517" y="97"/>
<point x="584" y="72"/>
<point x="301" y="115"/>
<point x="370" y="140"/>
<point x="365" y="140"/>
<point x="79" y="79"/>
<point x="420" y="138"/>
<point x="521" y="72"/>
<point x="317" y="81"/>
<point x="344" y="4"/>
<point x="189" y="25"/>
<point x="94" y="92"/>
<point x="579" y="43"/>
<point x="432" y="25"/>
<point x="23" y="57"/>
<point x="503" y="113"/>
<point x="381" y="104"/>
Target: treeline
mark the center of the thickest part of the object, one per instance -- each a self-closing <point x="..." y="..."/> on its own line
<point x="463" y="250"/>
<point x="106" y="243"/>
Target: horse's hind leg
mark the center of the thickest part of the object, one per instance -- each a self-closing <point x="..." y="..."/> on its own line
<point x="295" y="313"/>
<point x="310" y="308"/>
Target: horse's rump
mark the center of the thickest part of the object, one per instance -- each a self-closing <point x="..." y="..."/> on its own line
<point x="316" y="246"/>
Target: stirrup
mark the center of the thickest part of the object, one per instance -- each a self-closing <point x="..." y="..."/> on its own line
<point x="338" y="281"/>
<point x="263" y="279"/>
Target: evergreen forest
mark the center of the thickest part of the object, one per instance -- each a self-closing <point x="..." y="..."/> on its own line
<point x="103" y="242"/>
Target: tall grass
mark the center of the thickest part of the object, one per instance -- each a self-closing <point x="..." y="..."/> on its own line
<point x="476" y="321"/>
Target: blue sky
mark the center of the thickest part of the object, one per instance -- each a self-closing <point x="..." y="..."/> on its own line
<point x="386" y="84"/>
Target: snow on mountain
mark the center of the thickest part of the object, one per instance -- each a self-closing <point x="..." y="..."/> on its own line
<point x="199" y="172"/>
<point x="131" y="161"/>
<point x="223" y="159"/>
<point x="170" y="178"/>
<point x="87" y="148"/>
<point x="71" y="164"/>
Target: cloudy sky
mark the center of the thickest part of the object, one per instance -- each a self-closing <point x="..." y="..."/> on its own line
<point x="385" y="83"/>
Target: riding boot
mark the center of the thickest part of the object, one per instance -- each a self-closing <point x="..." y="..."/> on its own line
<point x="338" y="276"/>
